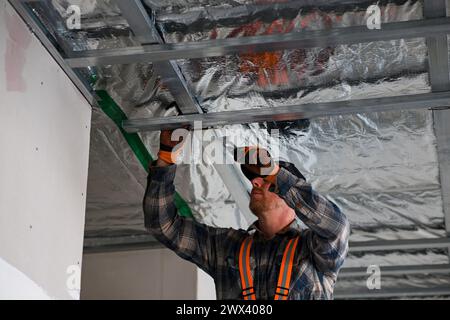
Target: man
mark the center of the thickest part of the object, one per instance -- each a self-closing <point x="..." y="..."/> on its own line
<point x="275" y="258"/>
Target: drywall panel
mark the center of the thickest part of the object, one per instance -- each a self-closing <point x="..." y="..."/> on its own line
<point x="206" y="289"/>
<point x="23" y="288"/>
<point x="141" y="274"/>
<point x="44" y="146"/>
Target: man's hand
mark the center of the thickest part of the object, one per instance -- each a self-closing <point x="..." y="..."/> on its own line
<point x="170" y="146"/>
<point x="256" y="162"/>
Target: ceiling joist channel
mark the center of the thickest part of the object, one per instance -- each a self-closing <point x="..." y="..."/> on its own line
<point x="261" y="43"/>
<point x="156" y="53"/>
<point x="438" y="59"/>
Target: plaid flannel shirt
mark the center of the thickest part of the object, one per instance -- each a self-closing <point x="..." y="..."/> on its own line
<point x="321" y="251"/>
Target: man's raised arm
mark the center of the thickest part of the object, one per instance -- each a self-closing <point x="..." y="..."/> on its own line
<point x="329" y="227"/>
<point x="189" y="239"/>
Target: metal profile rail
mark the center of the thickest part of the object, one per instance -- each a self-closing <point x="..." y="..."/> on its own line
<point x="397" y="270"/>
<point x="145" y="31"/>
<point x="438" y="59"/>
<point x="393" y="293"/>
<point x="118" y="244"/>
<point x="147" y="242"/>
<point x="385" y="245"/>
<point x="262" y="43"/>
<point x="308" y="110"/>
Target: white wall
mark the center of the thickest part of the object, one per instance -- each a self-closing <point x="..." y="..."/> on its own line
<point x="143" y="274"/>
<point x="44" y="146"/>
<point x="206" y="289"/>
<point x="21" y="287"/>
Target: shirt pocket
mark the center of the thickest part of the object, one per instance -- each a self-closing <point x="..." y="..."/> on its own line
<point x="301" y="286"/>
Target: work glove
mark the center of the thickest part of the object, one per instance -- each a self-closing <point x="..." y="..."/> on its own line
<point x="256" y="162"/>
<point x="171" y="144"/>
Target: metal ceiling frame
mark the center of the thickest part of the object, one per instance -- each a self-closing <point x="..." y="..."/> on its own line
<point x="403" y="244"/>
<point x="436" y="24"/>
<point x="394" y="293"/>
<point x="397" y="270"/>
<point x="294" y="112"/>
<point x="145" y="31"/>
<point x="261" y="43"/>
<point x="439" y="76"/>
<point x="143" y="242"/>
<point x="438" y="53"/>
<point x="144" y="28"/>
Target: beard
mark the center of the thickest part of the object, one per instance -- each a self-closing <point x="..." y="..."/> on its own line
<point x="257" y="207"/>
<point x="262" y="206"/>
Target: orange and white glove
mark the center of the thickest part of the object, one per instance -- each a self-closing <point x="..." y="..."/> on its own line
<point x="170" y="147"/>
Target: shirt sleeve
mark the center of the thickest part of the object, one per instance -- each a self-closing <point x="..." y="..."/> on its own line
<point x="189" y="239"/>
<point x="329" y="228"/>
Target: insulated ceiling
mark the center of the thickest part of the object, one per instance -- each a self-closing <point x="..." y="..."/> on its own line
<point x="381" y="168"/>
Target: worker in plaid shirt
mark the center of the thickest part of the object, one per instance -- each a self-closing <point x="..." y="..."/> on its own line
<point x="280" y="197"/>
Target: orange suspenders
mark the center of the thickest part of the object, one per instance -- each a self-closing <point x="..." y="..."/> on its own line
<point x="284" y="277"/>
<point x="248" y="291"/>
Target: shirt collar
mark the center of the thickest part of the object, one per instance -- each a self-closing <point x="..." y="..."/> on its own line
<point x="295" y="226"/>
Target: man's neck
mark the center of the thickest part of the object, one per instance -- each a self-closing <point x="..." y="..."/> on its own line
<point x="273" y="224"/>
